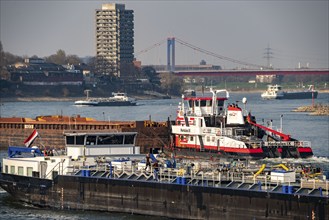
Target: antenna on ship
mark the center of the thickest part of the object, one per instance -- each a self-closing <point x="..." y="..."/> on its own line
<point x="244" y="101"/>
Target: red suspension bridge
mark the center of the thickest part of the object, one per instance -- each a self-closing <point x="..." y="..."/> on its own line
<point x="249" y="68"/>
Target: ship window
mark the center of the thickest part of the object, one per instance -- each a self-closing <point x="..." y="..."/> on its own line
<point x="208" y="122"/>
<point x="129" y="139"/>
<point x="91" y="140"/>
<point x="69" y="139"/>
<point x="239" y="132"/>
<point x="12" y="169"/>
<point x="29" y="171"/>
<point x="110" y="139"/>
<point x="80" y="140"/>
<point x="20" y="171"/>
<point x="6" y="169"/>
<point x="220" y="102"/>
<point x="208" y="139"/>
<point x="191" y="138"/>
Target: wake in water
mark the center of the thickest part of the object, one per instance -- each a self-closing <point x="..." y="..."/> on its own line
<point x="322" y="162"/>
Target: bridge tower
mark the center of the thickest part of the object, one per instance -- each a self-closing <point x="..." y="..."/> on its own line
<point x="171" y="54"/>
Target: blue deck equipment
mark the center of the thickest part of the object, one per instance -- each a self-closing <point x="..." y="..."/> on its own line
<point x="153" y="158"/>
<point x="13" y="151"/>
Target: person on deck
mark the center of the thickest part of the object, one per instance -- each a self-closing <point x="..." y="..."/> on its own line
<point x="148" y="162"/>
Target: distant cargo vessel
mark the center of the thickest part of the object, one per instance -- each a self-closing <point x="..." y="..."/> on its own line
<point x="276" y="92"/>
<point x="118" y="99"/>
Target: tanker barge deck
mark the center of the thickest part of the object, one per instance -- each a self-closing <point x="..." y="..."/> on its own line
<point x="197" y="192"/>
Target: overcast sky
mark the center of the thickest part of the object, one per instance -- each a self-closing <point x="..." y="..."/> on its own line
<point x="296" y="31"/>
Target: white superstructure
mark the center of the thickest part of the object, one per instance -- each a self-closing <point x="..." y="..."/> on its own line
<point x="273" y="92"/>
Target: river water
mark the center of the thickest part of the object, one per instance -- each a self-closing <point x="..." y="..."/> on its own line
<point x="299" y="125"/>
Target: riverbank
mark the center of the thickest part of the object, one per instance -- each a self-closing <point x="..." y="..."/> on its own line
<point x="317" y="109"/>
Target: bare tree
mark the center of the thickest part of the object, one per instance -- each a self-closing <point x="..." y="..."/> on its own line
<point x="171" y="83"/>
<point x="73" y="59"/>
<point x="58" y="58"/>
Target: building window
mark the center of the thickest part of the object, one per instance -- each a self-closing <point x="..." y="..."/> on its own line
<point x="12" y="169"/>
<point x="29" y="171"/>
<point x="6" y="169"/>
<point x="20" y="171"/>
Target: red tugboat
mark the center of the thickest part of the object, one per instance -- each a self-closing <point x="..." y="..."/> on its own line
<point x="208" y="124"/>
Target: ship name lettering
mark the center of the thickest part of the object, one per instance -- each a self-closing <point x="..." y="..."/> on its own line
<point x="184" y="130"/>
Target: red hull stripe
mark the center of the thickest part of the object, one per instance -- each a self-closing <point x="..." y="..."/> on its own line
<point x="242" y="150"/>
<point x="304" y="150"/>
<point x="228" y="149"/>
<point x="234" y="109"/>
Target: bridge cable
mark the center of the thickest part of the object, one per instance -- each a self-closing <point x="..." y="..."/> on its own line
<point x="150" y="47"/>
<point x="217" y="55"/>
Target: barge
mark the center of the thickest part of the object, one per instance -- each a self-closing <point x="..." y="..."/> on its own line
<point x="51" y="128"/>
<point x="117" y="99"/>
<point x="92" y="177"/>
<point x="276" y="92"/>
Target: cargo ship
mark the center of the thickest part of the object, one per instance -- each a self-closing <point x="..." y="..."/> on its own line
<point x="117" y="99"/>
<point x="208" y="124"/>
<point x="276" y="92"/>
<point x="104" y="172"/>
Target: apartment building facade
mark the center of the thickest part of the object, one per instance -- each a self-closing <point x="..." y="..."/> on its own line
<point x="114" y="38"/>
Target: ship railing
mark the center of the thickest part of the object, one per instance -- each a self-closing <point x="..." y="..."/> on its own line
<point x="58" y="169"/>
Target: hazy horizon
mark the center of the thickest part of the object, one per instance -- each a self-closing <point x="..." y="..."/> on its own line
<point x="296" y="31"/>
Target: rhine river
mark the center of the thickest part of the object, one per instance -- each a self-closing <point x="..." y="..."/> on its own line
<point x="299" y="125"/>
